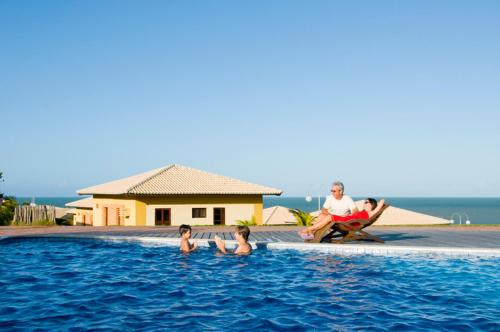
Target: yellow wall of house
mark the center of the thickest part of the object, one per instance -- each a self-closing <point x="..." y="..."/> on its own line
<point x="258" y="213"/>
<point x="182" y="213"/>
<point x="140" y="211"/>
<point x="140" y="208"/>
<point x="78" y="218"/>
<point x="127" y="207"/>
<point x="237" y="207"/>
<point x="201" y="199"/>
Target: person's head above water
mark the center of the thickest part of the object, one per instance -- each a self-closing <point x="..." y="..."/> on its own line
<point x="185" y="229"/>
<point x="370" y="204"/>
<point x="337" y="189"/>
<point x="243" y="231"/>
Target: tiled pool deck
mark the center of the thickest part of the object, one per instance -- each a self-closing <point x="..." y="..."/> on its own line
<point x="451" y="240"/>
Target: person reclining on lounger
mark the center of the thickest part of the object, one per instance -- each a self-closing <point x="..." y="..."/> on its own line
<point x="336" y="204"/>
<point x="370" y="206"/>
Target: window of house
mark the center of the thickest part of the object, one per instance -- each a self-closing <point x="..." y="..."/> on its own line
<point x="199" y="212"/>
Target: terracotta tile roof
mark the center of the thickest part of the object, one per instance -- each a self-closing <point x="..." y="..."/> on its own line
<point x="178" y="180"/>
<point x="81" y="203"/>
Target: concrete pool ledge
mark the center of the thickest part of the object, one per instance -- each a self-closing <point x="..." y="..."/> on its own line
<point x="385" y="250"/>
<point x="341" y="249"/>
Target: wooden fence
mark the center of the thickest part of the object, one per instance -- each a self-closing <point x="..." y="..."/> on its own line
<point x="27" y="215"/>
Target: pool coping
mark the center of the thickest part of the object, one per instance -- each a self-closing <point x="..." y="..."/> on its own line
<point x="341" y="249"/>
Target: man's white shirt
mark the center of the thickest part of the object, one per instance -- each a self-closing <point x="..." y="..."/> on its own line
<point x="339" y="207"/>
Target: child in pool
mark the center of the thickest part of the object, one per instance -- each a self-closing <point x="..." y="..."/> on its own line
<point x="185" y="232"/>
<point x="241" y="235"/>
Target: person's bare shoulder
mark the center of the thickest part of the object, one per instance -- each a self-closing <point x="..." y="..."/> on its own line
<point x="243" y="249"/>
<point x="185" y="246"/>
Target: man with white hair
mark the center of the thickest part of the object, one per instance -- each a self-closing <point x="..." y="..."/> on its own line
<point x="337" y="204"/>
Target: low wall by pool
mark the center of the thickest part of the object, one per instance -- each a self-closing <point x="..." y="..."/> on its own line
<point x="340" y="249"/>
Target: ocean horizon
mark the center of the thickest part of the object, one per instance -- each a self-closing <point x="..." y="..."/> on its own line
<point x="476" y="209"/>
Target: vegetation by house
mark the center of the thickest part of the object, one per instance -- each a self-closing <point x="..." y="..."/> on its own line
<point x="247" y="222"/>
<point x="303" y="218"/>
<point x="7" y="207"/>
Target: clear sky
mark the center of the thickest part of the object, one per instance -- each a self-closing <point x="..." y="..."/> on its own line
<point x="394" y="98"/>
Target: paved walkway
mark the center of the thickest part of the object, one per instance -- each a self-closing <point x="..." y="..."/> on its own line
<point x="445" y="237"/>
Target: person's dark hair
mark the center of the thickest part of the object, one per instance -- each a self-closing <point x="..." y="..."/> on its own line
<point x="372" y="201"/>
<point x="244" y="231"/>
<point x="184" y="229"/>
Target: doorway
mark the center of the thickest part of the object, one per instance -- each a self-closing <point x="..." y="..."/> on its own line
<point x="105" y="216"/>
<point x="162" y="217"/>
<point x="219" y="216"/>
<point x="111" y="215"/>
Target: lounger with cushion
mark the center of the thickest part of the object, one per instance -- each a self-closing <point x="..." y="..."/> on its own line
<point x="348" y="231"/>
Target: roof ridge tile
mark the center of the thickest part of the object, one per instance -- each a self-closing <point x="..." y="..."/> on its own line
<point x="166" y="168"/>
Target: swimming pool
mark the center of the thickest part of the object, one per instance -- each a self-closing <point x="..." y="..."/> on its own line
<point x="92" y="284"/>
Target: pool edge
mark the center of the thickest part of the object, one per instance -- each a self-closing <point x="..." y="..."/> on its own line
<point x="343" y="249"/>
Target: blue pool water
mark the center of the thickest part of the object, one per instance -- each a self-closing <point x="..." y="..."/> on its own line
<point x="57" y="284"/>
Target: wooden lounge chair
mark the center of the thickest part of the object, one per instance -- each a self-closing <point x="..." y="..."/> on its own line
<point x="348" y="231"/>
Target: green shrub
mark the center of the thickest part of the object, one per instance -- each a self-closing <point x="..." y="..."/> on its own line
<point x="247" y="222"/>
<point x="43" y="223"/>
<point x="303" y="218"/>
<point x="7" y="211"/>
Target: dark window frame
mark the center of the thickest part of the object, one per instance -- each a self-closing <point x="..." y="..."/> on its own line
<point x="199" y="213"/>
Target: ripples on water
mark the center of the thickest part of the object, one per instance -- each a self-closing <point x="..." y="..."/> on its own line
<point x="63" y="284"/>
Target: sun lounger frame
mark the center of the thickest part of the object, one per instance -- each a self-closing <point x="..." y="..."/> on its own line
<point x="348" y="231"/>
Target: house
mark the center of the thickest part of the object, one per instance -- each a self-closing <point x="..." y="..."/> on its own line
<point x="174" y="195"/>
<point x="82" y="211"/>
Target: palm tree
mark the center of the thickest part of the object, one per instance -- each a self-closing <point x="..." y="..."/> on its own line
<point x="247" y="222"/>
<point x="303" y="218"/>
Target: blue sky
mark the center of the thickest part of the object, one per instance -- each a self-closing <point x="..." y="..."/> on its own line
<point x="394" y="98"/>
